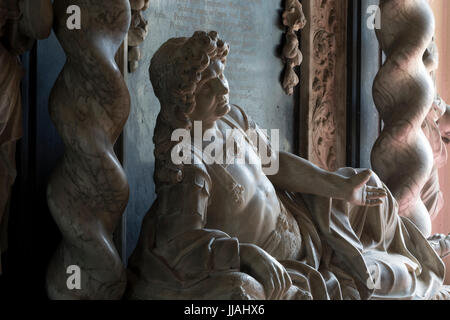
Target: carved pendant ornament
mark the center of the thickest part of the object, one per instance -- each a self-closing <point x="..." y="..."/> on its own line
<point x="137" y="33"/>
<point x="293" y="20"/>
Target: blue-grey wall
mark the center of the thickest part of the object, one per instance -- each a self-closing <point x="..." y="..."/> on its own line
<point x="370" y="64"/>
<point x="254" y="31"/>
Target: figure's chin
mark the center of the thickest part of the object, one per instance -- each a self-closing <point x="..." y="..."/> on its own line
<point x="223" y="110"/>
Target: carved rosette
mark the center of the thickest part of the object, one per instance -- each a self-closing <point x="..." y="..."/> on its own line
<point x="293" y="20"/>
<point x="137" y="33"/>
<point x="404" y="92"/>
<point x="323" y="73"/>
<point x="88" y="191"/>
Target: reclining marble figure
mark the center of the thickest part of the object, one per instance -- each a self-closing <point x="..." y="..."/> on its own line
<point x="232" y="232"/>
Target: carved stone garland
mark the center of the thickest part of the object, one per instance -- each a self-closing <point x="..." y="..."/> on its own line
<point x="323" y="83"/>
<point x="294" y="20"/>
<point x="88" y="191"/>
<point x="403" y="93"/>
<point x="137" y="33"/>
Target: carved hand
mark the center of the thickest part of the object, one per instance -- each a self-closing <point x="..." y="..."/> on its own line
<point x="357" y="192"/>
<point x="267" y="270"/>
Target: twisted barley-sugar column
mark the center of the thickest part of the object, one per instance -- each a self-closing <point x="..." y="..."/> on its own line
<point x="403" y="92"/>
<point x="88" y="191"/>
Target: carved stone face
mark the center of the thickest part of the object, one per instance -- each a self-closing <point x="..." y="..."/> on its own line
<point x="212" y="94"/>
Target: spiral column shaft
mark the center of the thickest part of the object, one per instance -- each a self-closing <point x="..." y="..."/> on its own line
<point x="403" y="92"/>
<point x="88" y="191"/>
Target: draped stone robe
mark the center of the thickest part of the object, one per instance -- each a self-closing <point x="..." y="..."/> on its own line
<point x="431" y="194"/>
<point x="330" y="248"/>
<point x="10" y="132"/>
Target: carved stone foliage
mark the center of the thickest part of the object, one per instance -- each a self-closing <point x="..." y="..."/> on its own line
<point x="19" y="28"/>
<point x="88" y="190"/>
<point x="137" y="33"/>
<point x="323" y="88"/>
<point x="294" y="20"/>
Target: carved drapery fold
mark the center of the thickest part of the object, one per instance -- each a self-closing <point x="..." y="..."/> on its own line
<point x="88" y="191"/>
<point x="21" y="23"/>
<point x="293" y="20"/>
<point x="10" y="132"/>
<point x="323" y="83"/>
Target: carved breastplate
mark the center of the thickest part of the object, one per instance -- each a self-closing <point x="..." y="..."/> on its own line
<point x="285" y="242"/>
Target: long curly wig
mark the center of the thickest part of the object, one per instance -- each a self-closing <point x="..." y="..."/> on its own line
<point x="175" y="71"/>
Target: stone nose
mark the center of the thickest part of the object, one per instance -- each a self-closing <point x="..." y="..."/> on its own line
<point x="220" y="87"/>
